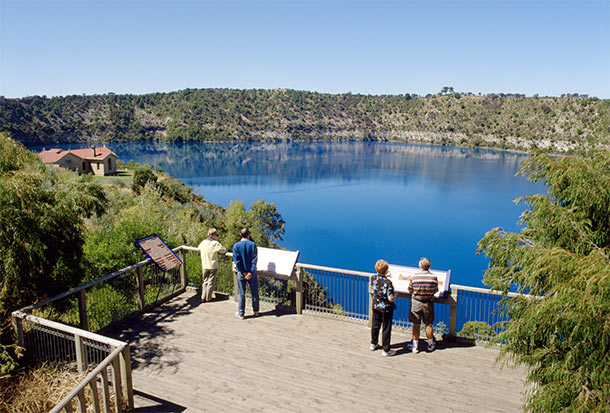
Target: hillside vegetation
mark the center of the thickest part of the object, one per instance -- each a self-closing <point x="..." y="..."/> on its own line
<point x="502" y="121"/>
<point x="59" y="229"/>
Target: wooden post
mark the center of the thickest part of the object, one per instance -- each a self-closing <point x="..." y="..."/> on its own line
<point x="116" y="385"/>
<point x="126" y="380"/>
<point x="453" y="312"/>
<point x="370" y="304"/>
<point x="235" y="291"/>
<point x="299" y="290"/>
<point x="105" y="390"/>
<point x="18" y="326"/>
<point x="82" y="309"/>
<point x="183" y="275"/>
<point x="140" y="281"/>
<point x="95" y="395"/>
<point x="81" y="353"/>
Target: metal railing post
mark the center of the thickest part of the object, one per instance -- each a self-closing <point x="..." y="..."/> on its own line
<point x="82" y="309"/>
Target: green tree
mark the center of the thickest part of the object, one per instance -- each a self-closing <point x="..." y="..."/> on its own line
<point x="234" y="221"/>
<point x="266" y="223"/>
<point x="141" y="177"/>
<point x="41" y="227"/>
<point x="562" y="254"/>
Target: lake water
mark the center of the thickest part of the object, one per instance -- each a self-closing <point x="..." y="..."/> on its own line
<point x="347" y="204"/>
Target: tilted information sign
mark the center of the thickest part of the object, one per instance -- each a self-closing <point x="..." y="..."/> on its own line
<point x="400" y="275"/>
<point x="276" y="263"/>
<point x="159" y="252"/>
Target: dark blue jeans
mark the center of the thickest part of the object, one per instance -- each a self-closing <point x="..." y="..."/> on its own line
<point x="241" y="288"/>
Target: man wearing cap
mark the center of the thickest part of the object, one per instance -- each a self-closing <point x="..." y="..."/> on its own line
<point x="210" y="249"/>
<point x="245" y="255"/>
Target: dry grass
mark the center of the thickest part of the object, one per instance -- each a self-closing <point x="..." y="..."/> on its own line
<point x="37" y="390"/>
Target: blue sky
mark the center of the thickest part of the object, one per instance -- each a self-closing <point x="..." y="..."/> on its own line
<point x="548" y="47"/>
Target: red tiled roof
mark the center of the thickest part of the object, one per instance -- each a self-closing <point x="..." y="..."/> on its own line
<point x="88" y="153"/>
<point x="54" y="154"/>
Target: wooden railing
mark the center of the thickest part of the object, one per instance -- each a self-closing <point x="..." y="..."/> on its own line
<point x="49" y="340"/>
<point x="66" y="339"/>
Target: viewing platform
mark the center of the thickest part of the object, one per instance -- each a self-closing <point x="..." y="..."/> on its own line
<point x="191" y="356"/>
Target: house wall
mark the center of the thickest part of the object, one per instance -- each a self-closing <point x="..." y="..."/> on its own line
<point x="110" y="162"/>
<point x="106" y="166"/>
<point x="70" y="161"/>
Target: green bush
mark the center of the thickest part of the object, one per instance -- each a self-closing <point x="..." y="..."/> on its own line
<point x="477" y="330"/>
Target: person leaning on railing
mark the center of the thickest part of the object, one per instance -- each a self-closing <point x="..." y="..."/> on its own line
<point x="210" y="250"/>
<point x="422" y="287"/>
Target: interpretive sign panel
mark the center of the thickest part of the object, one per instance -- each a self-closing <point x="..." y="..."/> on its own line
<point x="276" y="263"/>
<point x="159" y="252"/>
<point x="401" y="274"/>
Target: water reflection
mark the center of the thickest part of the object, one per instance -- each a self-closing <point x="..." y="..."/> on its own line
<point x="299" y="162"/>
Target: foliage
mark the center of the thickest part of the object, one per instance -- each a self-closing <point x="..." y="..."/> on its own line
<point x="562" y="255"/>
<point x="7" y="361"/>
<point x="141" y="177"/>
<point x="508" y="121"/>
<point x="266" y="223"/>
<point x="41" y="228"/>
<point x="440" y="328"/>
<point x="477" y="330"/>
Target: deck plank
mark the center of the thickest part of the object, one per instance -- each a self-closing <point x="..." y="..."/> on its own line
<point x="189" y="356"/>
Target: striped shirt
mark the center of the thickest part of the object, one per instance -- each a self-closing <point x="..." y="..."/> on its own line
<point x="423" y="286"/>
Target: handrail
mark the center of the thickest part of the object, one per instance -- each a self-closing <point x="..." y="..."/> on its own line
<point x="87" y="380"/>
<point x="98" y="280"/>
<point x="322" y="268"/>
<point x="490" y="291"/>
<point x="69" y="329"/>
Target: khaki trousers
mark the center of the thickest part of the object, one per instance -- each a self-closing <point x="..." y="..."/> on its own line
<point x="208" y="284"/>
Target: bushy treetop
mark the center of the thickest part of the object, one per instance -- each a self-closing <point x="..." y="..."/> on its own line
<point x="562" y="255"/>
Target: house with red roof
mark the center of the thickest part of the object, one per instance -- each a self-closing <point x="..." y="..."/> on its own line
<point x="98" y="161"/>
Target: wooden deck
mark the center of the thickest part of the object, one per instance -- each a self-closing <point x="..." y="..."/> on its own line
<point x="196" y="357"/>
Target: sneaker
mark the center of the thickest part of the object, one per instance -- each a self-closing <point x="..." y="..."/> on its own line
<point x="374" y="347"/>
<point x="414" y="349"/>
<point x="241" y="317"/>
<point x="256" y="314"/>
<point x="431" y="347"/>
<point x="388" y="353"/>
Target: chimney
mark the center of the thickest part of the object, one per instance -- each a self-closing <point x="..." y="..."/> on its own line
<point x="93" y="147"/>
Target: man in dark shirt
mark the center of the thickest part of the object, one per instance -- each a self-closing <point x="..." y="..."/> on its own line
<point x="422" y="287"/>
<point x="245" y="254"/>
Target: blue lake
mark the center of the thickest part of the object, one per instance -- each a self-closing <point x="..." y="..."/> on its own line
<point x="347" y="204"/>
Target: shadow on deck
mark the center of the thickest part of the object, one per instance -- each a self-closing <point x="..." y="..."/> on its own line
<point x="193" y="356"/>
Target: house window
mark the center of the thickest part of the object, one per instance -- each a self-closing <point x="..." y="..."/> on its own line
<point x="109" y="164"/>
<point x="84" y="166"/>
<point x="98" y="166"/>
